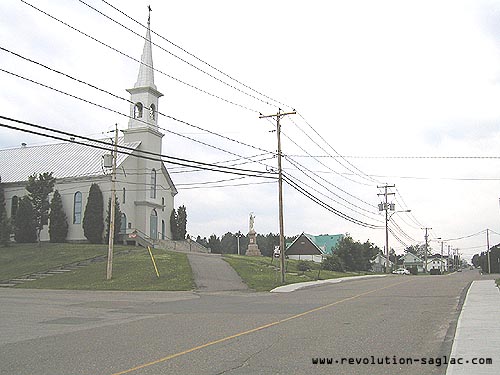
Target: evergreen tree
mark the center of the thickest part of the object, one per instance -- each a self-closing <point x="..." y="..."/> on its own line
<point x="93" y="223"/>
<point x="58" y="223"/>
<point x="25" y="228"/>
<point x="181" y="222"/>
<point x="118" y="219"/>
<point x="39" y="189"/>
<point x="214" y="244"/>
<point x="4" y="223"/>
<point x="174" y="225"/>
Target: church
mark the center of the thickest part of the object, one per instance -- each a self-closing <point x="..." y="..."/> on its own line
<point x="144" y="188"/>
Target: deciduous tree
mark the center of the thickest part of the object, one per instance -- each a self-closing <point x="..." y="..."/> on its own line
<point x="39" y="187"/>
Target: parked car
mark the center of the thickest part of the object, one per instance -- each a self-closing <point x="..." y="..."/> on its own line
<point x="401" y="271"/>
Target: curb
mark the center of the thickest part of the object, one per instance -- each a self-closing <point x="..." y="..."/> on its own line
<point x="308" y="284"/>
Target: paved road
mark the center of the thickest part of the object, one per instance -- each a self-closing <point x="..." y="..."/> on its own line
<point x="212" y="274"/>
<point x="52" y="332"/>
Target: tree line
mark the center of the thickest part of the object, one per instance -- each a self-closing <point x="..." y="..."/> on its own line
<point x="481" y="260"/>
<point x="348" y="255"/>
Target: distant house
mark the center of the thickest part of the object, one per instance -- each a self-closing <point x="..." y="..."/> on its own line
<point x="411" y="261"/>
<point x="380" y="262"/>
<point x="315" y="248"/>
<point x="434" y="262"/>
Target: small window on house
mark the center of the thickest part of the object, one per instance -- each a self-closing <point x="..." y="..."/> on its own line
<point x="138" y="110"/>
<point x="152" y="111"/>
<point x="77" y="208"/>
<point x="124" y="196"/>
<point x="13" y="207"/>
<point x="153" y="184"/>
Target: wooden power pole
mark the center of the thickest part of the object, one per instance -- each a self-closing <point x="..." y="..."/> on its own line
<point x="278" y="117"/>
<point x="109" y="269"/>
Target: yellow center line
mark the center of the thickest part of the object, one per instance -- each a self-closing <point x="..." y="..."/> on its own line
<point x="172" y="356"/>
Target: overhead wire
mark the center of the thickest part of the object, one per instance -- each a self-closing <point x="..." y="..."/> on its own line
<point x="140" y="62"/>
<point x="196" y="57"/>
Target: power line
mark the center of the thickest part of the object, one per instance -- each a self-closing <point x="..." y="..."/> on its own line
<point x="174" y="55"/>
<point x="318" y="201"/>
<point x="123" y="114"/>
<point x="140" y="62"/>
<point x="129" y="150"/>
<point x="197" y="58"/>
<point x="326" y="152"/>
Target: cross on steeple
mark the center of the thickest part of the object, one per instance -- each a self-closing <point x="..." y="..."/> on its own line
<point x="149" y="15"/>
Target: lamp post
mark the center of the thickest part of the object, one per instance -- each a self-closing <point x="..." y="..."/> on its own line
<point x="441" y="264"/>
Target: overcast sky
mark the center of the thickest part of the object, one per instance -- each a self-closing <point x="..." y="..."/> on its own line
<point x="378" y="81"/>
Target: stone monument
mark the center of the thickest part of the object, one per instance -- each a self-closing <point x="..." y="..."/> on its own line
<point x="253" y="248"/>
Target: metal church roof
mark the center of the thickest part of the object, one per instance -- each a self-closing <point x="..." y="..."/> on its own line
<point x="64" y="159"/>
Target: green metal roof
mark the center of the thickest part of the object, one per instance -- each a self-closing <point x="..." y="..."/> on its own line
<point x="325" y="243"/>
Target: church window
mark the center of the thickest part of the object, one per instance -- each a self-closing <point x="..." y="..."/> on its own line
<point x="162" y="204"/>
<point x="138" y="110"/>
<point x="124" y="196"/>
<point x="77" y="208"/>
<point x="13" y="206"/>
<point x="123" y="227"/>
<point x="152" y="111"/>
<point x="153" y="183"/>
<point x="153" y="225"/>
<point x="163" y="229"/>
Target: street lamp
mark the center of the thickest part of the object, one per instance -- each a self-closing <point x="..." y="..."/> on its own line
<point x="442" y="244"/>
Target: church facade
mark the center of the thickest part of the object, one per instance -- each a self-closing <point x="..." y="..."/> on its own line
<point x="144" y="188"/>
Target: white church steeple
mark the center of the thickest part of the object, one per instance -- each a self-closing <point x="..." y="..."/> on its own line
<point x="144" y="94"/>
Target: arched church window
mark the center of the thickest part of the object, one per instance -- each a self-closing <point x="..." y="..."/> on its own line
<point x="77" y="208"/>
<point x="123" y="227"/>
<point x="153" y="184"/>
<point x="152" y="111"/>
<point x="138" y="110"/>
<point x="13" y="207"/>
<point x="124" y="196"/>
<point x="153" y="225"/>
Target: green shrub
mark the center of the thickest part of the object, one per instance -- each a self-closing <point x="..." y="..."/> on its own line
<point x="303" y="266"/>
<point x="333" y="263"/>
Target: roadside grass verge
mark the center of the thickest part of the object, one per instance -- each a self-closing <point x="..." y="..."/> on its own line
<point x="263" y="273"/>
<point x="131" y="271"/>
<point x="22" y="259"/>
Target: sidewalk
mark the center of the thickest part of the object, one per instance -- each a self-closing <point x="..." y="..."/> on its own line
<point x="478" y="331"/>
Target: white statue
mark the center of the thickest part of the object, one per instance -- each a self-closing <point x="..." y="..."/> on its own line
<point x="252" y="220"/>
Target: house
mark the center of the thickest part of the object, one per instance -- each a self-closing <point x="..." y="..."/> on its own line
<point x="144" y="188"/>
<point x="412" y="261"/>
<point x="315" y="248"/>
<point x="380" y="262"/>
<point x="435" y="262"/>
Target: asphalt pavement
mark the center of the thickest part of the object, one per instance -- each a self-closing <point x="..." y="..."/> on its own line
<point x="353" y="323"/>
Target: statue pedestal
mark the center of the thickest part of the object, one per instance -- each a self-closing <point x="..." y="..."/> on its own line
<point x="253" y="248"/>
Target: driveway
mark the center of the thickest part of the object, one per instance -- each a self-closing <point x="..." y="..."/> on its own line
<point x="213" y="274"/>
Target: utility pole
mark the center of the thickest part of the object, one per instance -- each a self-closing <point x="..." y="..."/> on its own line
<point x="109" y="269"/>
<point x="441" y="264"/>
<point x="448" y="259"/>
<point x="488" y="249"/>
<point x="426" y="248"/>
<point x="278" y="116"/>
<point x="386" y="207"/>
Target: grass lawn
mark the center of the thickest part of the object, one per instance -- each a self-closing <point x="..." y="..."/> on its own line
<point x="263" y="273"/>
<point x="22" y="259"/>
<point x="132" y="271"/>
